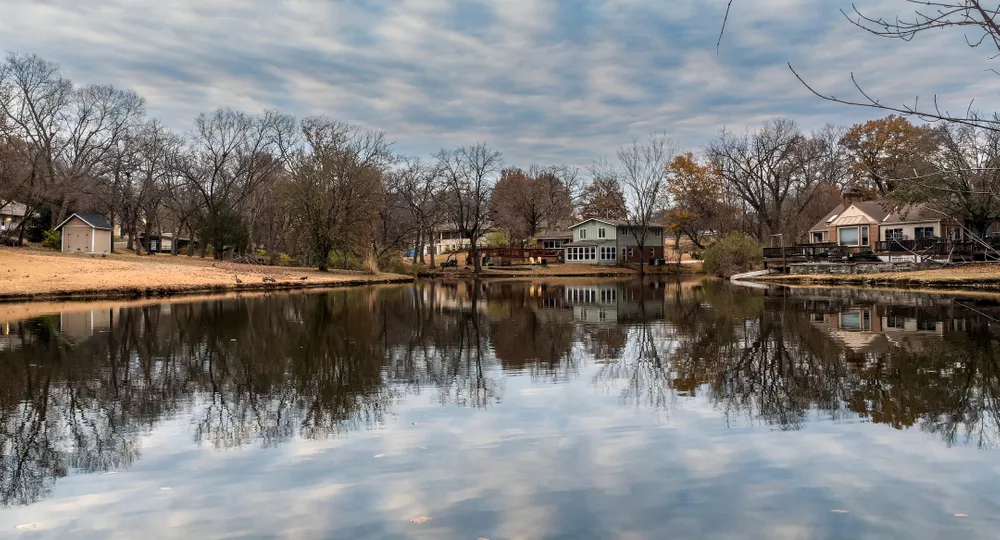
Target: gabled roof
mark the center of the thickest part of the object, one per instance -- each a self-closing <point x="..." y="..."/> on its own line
<point x="11" y="208"/>
<point x="614" y="223"/>
<point x="881" y="212"/>
<point x="877" y="210"/>
<point x="96" y="221"/>
<point x="822" y="224"/>
<point x="555" y="235"/>
<point x="912" y="213"/>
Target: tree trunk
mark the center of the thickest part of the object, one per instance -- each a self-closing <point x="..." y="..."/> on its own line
<point x="63" y="208"/>
<point x="432" y="248"/>
<point x="175" y="241"/>
<point x="416" y="248"/>
<point x="474" y="253"/>
<point x="677" y="247"/>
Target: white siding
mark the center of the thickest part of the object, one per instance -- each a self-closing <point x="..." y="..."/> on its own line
<point x="590" y="231"/>
<point x="909" y="229"/>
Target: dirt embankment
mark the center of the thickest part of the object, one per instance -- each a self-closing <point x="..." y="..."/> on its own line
<point x="32" y="274"/>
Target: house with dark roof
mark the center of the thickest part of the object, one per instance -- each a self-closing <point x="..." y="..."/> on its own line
<point x="553" y="239"/>
<point x="84" y="232"/>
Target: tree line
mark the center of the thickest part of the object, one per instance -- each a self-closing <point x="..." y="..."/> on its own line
<point x="321" y="192"/>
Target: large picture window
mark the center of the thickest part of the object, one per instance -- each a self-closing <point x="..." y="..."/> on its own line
<point x="893" y="234"/>
<point x="581" y="253"/>
<point x="607" y="253"/>
<point x="923" y="232"/>
<point x="853" y="236"/>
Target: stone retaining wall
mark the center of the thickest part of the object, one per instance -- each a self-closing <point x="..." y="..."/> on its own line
<point x="849" y="268"/>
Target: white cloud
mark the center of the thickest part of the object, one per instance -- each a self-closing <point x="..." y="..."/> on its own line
<point x="581" y="77"/>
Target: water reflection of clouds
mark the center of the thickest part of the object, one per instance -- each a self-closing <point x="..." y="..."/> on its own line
<point x="534" y="469"/>
<point x="604" y="450"/>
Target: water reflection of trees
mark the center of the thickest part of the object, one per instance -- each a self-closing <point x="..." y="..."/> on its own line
<point x="247" y="371"/>
<point x="264" y="370"/>
<point x="768" y="358"/>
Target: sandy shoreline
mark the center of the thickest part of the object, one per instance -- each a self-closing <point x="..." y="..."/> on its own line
<point x="33" y="275"/>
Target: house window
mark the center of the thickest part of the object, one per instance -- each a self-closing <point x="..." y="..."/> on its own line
<point x="581" y="253"/>
<point x="607" y="253"/>
<point x="601" y="233"/>
<point x="853" y="236"/>
<point x="631" y="252"/>
<point x="624" y="231"/>
<point x="848" y="236"/>
<point x="893" y="234"/>
<point x="817" y="237"/>
<point x="923" y="232"/>
<point x="856" y="320"/>
<point x="926" y="325"/>
<point x="583" y="234"/>
<point x="652" y="253"/>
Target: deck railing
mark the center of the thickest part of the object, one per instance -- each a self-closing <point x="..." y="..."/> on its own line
<point x="807" y="252"/>
<point x="928" y="246"/>
<point x="936" y="247"/>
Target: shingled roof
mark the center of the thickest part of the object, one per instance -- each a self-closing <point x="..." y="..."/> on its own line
<point x="96" y="221"/>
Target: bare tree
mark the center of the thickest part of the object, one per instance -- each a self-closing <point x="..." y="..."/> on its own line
<point x="230" y="155"/>
<point x="640" y="170"/>
<point x="335" y="184"/>
<point x="766" y="169"/>
<point x="468" y="176"/>
<point x="978" y="20"/>
<point x="135" y="185"/>
<point x="421" y="191"/>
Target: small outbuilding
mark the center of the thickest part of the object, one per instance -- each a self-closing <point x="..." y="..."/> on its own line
<point x="85" y="233"/>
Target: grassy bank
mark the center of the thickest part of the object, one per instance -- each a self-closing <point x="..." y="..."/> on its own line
<point x="971" y="277"/>
<point x="34" y="274"/>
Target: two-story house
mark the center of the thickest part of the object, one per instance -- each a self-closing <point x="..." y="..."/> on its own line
<point x="609" y="241"/>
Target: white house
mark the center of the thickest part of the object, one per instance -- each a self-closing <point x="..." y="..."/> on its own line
<point x="608" y="241"/>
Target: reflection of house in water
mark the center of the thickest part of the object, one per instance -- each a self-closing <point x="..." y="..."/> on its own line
<point x="79" y="325"/>
<point x="616" y="302"/>
<point x="875" y="328"/>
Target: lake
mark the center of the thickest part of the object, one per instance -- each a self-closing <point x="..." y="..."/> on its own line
<point x="568" y="408"/>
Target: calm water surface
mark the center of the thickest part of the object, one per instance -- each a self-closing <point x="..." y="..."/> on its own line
<point x="559" y="409"/>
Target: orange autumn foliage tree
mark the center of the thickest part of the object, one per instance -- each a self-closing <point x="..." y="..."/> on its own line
<point x="697" y="201"/>
<point x="883" y="152"/>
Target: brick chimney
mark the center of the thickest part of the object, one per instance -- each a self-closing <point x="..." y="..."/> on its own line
<point x="852" y="195"/>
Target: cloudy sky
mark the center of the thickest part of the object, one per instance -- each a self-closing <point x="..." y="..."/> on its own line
<point x="544" y="81"/>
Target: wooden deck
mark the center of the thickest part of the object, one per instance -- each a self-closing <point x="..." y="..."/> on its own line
<point x="926" y="247"/>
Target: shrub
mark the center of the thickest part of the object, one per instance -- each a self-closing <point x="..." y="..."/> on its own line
<point x="497" y="239"/>
<point x="393" y="263"/>
<point x="52" y="240"/>
<point x="285" y="259"/>
<point x="732" y="254"/>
